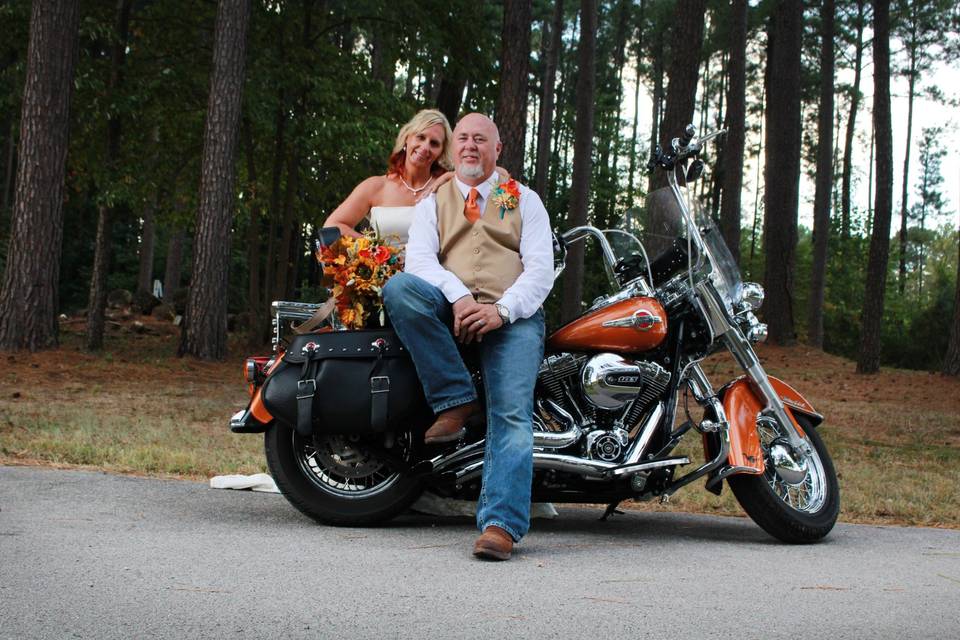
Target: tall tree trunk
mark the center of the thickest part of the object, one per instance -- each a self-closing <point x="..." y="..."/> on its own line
<point x="756" y="182"/>
<point x="911" y="83"/>
<point x="824" y="188"/>
<point x="255" y="302"/>
<point x="97" y="302"/>
<point x="28" y="295"/>
<point x="733" y="147"/>
<point x="173" y="267"/>
<point x="868" y="359"/>
<point x="851" y="128"/>
<point x="174" y="264"/>
<point x="9" y="167"/>
<point x="552" y="45"/>
<point x="147" y="244"/>
<point x="687" y="39"/>
<point x="512" y="101"/>
<point x="951" y="361"/>
<point x="206" y="318"/>
<point x="609" y="118"/>
<point x="281" y="287"/>
<point x="782" y="167"/>
<point x="583" y="149"/>
<point x="656" y="108"/>
<point x="450" y="93"/>
<point x="631" y="193"/>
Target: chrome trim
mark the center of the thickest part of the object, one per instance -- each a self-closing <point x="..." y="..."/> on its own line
<point x="642" y="441"/>
<point x="441" y="462"/>
<point x="726" y="472"/>
<point x="633" y="469"/>
<point x="557" y="439"/>
<point x="642" y="320"/>
<point x="751" y="296"/>
<point x="578" y="466"/>
<point x="790" y="470"/>
<point x="239" y="419"/>
<point x="610" y="381"/>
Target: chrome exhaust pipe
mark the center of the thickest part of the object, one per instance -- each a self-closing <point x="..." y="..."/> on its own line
<point x="544" y="439"/>
<point x="578" y="466"/>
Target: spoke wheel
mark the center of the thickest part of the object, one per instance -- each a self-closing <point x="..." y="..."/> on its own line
<point x="800" y="481"/>
<point x="343" y="465"/>
<point x="797" y="498"/>
<point x="341" y="480"/>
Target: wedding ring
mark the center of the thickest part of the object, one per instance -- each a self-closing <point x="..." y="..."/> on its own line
<point x="481" y="322"/>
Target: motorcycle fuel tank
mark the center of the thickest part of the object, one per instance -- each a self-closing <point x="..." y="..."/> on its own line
<point x="631" y="325"/>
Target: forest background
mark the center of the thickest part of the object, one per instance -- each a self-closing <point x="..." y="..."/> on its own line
<point x="204" y="140"/>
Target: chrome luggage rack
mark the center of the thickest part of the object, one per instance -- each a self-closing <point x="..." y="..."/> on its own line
<point x="285" y="311"/>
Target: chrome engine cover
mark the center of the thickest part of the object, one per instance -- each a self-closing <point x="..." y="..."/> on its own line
<point x="610" y="381"/>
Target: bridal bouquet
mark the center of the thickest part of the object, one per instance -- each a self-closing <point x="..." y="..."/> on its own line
<point x="356" y="270"/>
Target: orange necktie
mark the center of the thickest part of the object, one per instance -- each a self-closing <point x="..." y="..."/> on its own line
<point x="470" y="210"/>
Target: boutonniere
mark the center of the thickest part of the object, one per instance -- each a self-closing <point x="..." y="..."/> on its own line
<point x="506" y="196"/>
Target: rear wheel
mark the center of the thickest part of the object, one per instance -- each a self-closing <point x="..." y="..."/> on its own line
<point x="797" y="498"/>
<point x="341" y="480"/>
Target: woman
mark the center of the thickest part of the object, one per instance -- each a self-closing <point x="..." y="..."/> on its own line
<point x="420" y="159"/>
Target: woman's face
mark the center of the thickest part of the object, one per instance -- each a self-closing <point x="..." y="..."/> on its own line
<point x="425" y="147"/>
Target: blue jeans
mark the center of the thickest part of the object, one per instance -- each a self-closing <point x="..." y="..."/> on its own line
<point x="510" y="359"/>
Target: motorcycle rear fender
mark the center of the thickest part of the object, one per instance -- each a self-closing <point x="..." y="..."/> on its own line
<point x="742" y="404"/>
<point x="255" y="418"/>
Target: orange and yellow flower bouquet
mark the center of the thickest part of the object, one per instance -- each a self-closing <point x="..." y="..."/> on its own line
<point x="355" y="269"/>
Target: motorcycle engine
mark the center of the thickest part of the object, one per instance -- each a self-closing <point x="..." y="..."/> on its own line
<point x="609" y="393"/>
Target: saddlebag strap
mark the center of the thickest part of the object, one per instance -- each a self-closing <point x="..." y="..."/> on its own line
<point x="306" y="389"/>
<point x="379" y="394"/>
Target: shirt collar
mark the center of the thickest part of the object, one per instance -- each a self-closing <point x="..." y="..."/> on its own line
<point x="483" y="188"/>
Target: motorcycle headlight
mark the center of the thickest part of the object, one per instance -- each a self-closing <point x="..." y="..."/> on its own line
<point x="751" y="296"/>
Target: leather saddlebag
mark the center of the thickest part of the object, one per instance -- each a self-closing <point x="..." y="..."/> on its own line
<point x="347" y="382"/>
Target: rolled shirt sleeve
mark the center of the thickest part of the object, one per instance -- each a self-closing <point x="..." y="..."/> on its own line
<point x="525" y="296"/>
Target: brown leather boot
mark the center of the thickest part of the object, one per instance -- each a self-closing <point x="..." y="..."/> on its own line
<point x="493" y="544"/>
<point x="449" y="425"/>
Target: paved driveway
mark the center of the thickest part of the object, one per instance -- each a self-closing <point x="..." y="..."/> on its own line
<point x="90" y="555"/>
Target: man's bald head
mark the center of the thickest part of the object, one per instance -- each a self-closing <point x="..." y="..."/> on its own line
<point x="476" y="147"/>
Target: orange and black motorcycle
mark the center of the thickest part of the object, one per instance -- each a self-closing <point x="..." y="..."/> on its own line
<point x="343" y="414"/>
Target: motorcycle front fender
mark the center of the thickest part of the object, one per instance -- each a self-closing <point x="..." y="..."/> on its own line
<point x="742" y="405"/>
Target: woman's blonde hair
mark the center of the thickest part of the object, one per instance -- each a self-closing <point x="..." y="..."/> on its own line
<point x="420" y="122"/>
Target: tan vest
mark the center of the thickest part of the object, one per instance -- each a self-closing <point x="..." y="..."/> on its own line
<point x="484" y="255"/>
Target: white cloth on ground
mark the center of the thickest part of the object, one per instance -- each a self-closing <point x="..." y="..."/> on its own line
<point x="257" y="482"/>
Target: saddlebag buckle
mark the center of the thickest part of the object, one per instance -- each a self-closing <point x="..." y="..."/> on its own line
<point x="380" y="384"/>
<point x="300" y="388"/>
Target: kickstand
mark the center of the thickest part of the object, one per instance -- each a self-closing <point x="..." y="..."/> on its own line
<point x="611" y="510"/>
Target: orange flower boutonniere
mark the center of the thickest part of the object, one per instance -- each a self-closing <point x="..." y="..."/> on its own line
<point x="507" y="196"/>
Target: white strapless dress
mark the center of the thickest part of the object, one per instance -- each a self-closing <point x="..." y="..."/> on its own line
<point x="392" y="223"/>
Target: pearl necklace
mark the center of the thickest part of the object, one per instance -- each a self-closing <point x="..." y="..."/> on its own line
<point x="411" y="189"/>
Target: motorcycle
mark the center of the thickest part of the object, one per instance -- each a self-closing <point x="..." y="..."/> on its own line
<point x="607" y="398"/>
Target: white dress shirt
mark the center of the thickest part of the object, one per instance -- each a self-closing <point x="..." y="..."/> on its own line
<point x="525" y="296"/>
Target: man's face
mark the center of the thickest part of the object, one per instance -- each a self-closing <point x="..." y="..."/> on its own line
<point x="476" y="147"/>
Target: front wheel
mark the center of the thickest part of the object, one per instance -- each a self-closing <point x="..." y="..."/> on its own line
<point x="340" y="480"/>
<point x="797" y="498"/>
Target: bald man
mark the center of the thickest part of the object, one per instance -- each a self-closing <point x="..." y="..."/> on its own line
<point x="478" y="270"/>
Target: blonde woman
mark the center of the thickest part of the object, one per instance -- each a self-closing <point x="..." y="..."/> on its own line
<point x="421" y="159"/>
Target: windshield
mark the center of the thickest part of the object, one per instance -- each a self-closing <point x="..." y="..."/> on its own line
<point x="664" y="233"/>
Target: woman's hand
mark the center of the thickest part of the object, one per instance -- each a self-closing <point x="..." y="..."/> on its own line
<point x="436" y="184"/>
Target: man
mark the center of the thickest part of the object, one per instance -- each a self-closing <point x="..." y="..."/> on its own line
<point x="479" y="265"/>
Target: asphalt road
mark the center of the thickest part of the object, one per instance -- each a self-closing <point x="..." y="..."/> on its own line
<point x="89" y="555"/>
